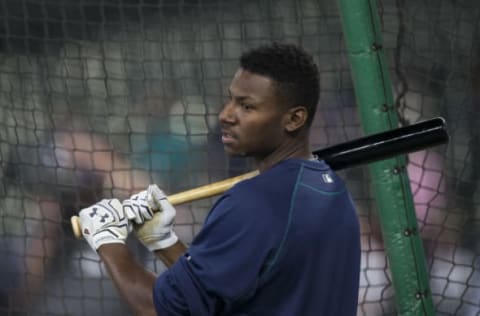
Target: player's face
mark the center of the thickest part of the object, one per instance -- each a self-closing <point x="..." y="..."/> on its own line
<point x="252" y="118"/>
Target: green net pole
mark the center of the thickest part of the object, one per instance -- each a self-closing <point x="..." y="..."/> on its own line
<point x="390" y="179"/>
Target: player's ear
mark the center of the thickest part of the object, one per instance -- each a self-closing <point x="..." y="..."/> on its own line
<point x="295" y="118"/>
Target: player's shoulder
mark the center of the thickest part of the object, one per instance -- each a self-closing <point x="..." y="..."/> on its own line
<point x="280" y="178"/>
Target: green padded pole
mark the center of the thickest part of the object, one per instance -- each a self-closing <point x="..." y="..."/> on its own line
<point x="391" y="183"/>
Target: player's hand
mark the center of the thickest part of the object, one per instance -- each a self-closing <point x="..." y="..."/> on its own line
<point x="158" y="233"/>
<point x="141" y="206"/>
<point x="104" y="223"/>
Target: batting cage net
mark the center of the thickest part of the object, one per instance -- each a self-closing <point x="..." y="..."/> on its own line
<point x="99" y="98"/>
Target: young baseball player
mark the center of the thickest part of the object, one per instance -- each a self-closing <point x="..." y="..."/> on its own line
<point x="285" y="242"/>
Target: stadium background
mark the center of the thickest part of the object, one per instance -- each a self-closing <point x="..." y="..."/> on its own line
<point x="100" y="98"/>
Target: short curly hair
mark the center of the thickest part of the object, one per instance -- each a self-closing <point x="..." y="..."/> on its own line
<point x="293" y="70"/>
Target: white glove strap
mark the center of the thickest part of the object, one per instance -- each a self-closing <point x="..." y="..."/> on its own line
<point x="160" y="241"/>
<point x="106" y="237"/>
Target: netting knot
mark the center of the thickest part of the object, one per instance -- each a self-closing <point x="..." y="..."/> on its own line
<point x="376" y="46"/>
<point x="398" y="169"/>
<point x="410" y="231"/>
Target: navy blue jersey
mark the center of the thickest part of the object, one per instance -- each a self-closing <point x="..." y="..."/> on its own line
<point x="286" y="242"/>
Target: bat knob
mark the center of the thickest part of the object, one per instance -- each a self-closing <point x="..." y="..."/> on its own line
<point x="76" y="227"/>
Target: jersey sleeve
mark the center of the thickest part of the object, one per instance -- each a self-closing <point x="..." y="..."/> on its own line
<point x="222" y="266"/>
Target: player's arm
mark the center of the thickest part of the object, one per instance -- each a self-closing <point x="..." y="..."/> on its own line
<point x="171" y="254"/>
<point x="133" y="281"/>
<point x="105" y="227"/>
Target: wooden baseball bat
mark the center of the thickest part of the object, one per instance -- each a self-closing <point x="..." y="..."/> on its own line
<point x="199" y="193"/>
<point x="359" y="151"/>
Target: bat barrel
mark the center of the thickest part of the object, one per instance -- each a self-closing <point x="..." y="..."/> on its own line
<point x="385" y="144"/>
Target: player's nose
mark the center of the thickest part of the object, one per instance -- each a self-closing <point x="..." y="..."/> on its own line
<point x="227" y="114"/>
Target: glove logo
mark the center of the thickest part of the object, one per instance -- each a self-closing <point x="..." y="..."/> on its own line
<point x="103" y="218"/>
<point x="94" y="212"/>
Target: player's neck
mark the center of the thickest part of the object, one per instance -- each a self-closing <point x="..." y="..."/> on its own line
<point x="290" y="149"/>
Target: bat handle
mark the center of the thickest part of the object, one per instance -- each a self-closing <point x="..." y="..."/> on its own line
<point x="76" y="226"/>
<point x="202" y="192"/>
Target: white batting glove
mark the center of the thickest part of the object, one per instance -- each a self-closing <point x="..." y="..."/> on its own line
<point x="104" y="223"/>
<point x="158" y="233"/>
<point x="141" y="206"/>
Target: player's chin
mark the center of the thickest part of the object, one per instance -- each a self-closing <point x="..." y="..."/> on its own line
<point x="233" y="151"/>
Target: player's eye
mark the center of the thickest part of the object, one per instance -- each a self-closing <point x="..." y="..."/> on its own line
<point x="246" y="106"/>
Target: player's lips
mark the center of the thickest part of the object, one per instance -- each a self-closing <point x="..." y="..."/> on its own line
<point x="227" y="137"/>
